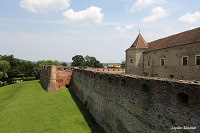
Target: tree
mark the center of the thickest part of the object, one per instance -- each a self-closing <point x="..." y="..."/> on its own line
<point x="123" y="64"/>
<point x="38" y="67"/>
<point x="37" y="71"/>
<point x="64" y="64"/>
<point x="89" y="61"/>
<point x="92" y="62"/>
<point x="78" y="60"/>
<point x="4" y="67"/>
<point x="14" y="65"/>
<point x="1" y="75"/>
<point x="48" y="62"/>
<point x="26" y="68"/>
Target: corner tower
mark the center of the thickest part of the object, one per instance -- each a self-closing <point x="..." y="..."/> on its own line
<point x="134" y="56"/>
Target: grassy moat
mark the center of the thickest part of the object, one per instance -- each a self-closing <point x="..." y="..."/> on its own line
<point x="25" y="108"/>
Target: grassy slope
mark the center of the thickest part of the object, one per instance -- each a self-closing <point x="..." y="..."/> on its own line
<point x="26" y="107"/>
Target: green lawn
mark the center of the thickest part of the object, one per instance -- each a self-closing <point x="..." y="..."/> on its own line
<point x="25" y="108"/>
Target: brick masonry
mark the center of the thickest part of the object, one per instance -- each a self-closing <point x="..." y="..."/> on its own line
<point x="54" y="78"/>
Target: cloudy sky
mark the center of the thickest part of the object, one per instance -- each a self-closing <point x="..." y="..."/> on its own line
<point x="59" y="29"/>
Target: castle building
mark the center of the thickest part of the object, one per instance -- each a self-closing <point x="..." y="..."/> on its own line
<point x="176" y="56"/>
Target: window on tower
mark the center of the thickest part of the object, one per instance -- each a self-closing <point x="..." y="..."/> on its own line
<point x="148" y="62"/>
<point x="131" y="60"/>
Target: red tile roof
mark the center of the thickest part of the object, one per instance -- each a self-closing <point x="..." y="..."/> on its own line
<point x="139" y="42"/>
<point x="114" y="64"/>
<point x="186" y="37"/>
<point x="175" y="40"/>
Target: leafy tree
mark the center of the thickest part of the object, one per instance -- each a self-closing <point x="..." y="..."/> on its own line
<point x="14" y="65"/>
<point x="4" y="67"/>
<point x="1" y="75"/>
<point x="92" y="62"/>
<point x="123" y="64"/>
<point x="10" y="58"/>
<point x="48" y="62"/>
<point x="89" y="61"/>
<point x="78" y="60"/>
<point x="38" y="67"/>
<point x="26" y="68"/>
<point x="64" y="64"/>
<point x="21" y="68"/>
<point x="37" y="71"/>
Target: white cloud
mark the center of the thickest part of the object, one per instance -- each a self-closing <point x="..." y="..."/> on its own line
<point x="90" y="15"/>
<point x="126" y="28"/>
<point x="190" y="18"/>
<point x="44" y="6"/>
<point x="141" y="4"/>
<point x="157" y="13"/>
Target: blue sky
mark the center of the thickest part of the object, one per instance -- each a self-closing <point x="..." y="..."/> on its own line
<point x="59" y="29"/>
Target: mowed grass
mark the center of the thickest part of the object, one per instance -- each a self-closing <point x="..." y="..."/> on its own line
<point x="26" y="108"/>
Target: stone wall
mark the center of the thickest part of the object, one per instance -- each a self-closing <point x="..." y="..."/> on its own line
<point x="56" y="77"/>
<point x="138" y="104"/>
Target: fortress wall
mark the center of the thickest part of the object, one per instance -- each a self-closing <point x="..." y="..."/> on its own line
<point x="54" y="78"/>
<point x="138" y="104"/>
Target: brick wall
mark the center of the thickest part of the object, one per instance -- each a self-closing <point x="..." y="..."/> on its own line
<point x="54" y="78"/>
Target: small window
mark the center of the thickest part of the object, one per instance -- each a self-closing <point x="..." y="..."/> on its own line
<point x="197" y="59"/>
<point x="162" y="62"/>
<point x="185" y="61"/>
<point x="131" y="60"/>
<point x="148" y="62"/>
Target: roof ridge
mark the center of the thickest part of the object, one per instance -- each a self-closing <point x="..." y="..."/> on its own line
<point x="175" y="34"/>
<point x="139" y="42"/>
<point x="185" y="37"/>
